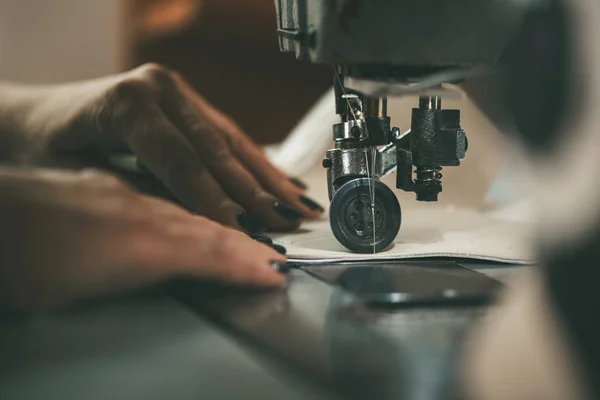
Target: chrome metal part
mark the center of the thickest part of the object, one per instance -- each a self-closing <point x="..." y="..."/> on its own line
<point x="350" y="130"/>
<point x="345" y="164"/>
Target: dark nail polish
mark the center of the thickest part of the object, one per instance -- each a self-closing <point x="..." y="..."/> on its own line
<point x="250" y="223"/>
<point x="299" y="183"/>
<point x="287" y="212"/>
<point x="259" y="237"/>
<point x="280" y="249"/>
<point x="311" y="204"/>
<point x="282" y="268"/>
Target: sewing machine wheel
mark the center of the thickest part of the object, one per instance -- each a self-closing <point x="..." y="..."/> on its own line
<point x="351" y="217"/>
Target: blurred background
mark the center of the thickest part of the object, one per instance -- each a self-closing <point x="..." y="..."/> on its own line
<point x="227" y="49"/>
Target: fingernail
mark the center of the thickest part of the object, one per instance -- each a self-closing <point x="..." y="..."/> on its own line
<point x="279" y="248"/>
<point x="250" y="223"/>
<point x="299" y="183"/>
<point x="313" y="205"/>
<point x="287" y="212"/>
<point x="259" y="237"/>
<point x="282" y="268"/>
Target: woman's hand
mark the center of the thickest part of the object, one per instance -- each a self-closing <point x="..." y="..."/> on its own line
<point x="200" y="155"/>
<point x="66" y="236"/>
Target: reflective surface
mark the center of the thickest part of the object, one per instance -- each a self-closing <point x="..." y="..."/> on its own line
<point x="313" y="341"/>
<point x="411" y="283"/>
<point x="131" y="349"/>
<point x="337" y="342"/>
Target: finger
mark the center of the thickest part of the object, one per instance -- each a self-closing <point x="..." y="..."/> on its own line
<point x="251" y="157"/>
<point x="235" y="180"/>
<point x="203" y="249"/>
<point x="271" y="178"/>
<point x="162" y="208"/>
<point x="167" y="154"/>
<point x="257" y="270"/>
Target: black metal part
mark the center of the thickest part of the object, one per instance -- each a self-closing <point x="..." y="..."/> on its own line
<point x="436" y="140"/>
<point x="351" y="216"/>
<point x="404" y="178"/>
<point x="364" y="33"/>
<point x="428" y="182"/>
<point x="307" y="38"/>
<point x="379" y="131"/>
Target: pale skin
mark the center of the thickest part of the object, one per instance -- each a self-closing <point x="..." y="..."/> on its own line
<point x="67" y="235"/>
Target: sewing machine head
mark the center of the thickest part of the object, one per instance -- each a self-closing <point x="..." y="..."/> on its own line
<point x="390" y="48"/>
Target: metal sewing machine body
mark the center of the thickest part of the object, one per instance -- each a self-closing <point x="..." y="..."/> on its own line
<point x="381" y="48"/>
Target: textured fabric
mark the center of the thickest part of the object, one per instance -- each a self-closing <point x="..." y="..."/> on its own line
<point x="427" y="231"/>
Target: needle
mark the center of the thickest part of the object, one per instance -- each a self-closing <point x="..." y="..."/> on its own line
<point x="370" y="171"/>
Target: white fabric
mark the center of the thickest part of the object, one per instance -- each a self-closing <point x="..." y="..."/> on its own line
<point x="426" y="231"/>
<point x="305" y="146"/>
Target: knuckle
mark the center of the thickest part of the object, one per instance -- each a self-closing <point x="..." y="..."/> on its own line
<point x="218" y="153"/>
<point x="260" y="195"/>
<point x="157" y="73"/>
<point x="236" y="142"/>
<point x="230" y="140"/>
<point x="125" y="100"/>
<point x="127" y="109"/>
<point x="130" y="91"/>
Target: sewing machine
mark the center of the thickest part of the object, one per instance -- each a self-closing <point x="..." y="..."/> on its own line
<point x="388" y="48"/>
<point x="343" y="331"/>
